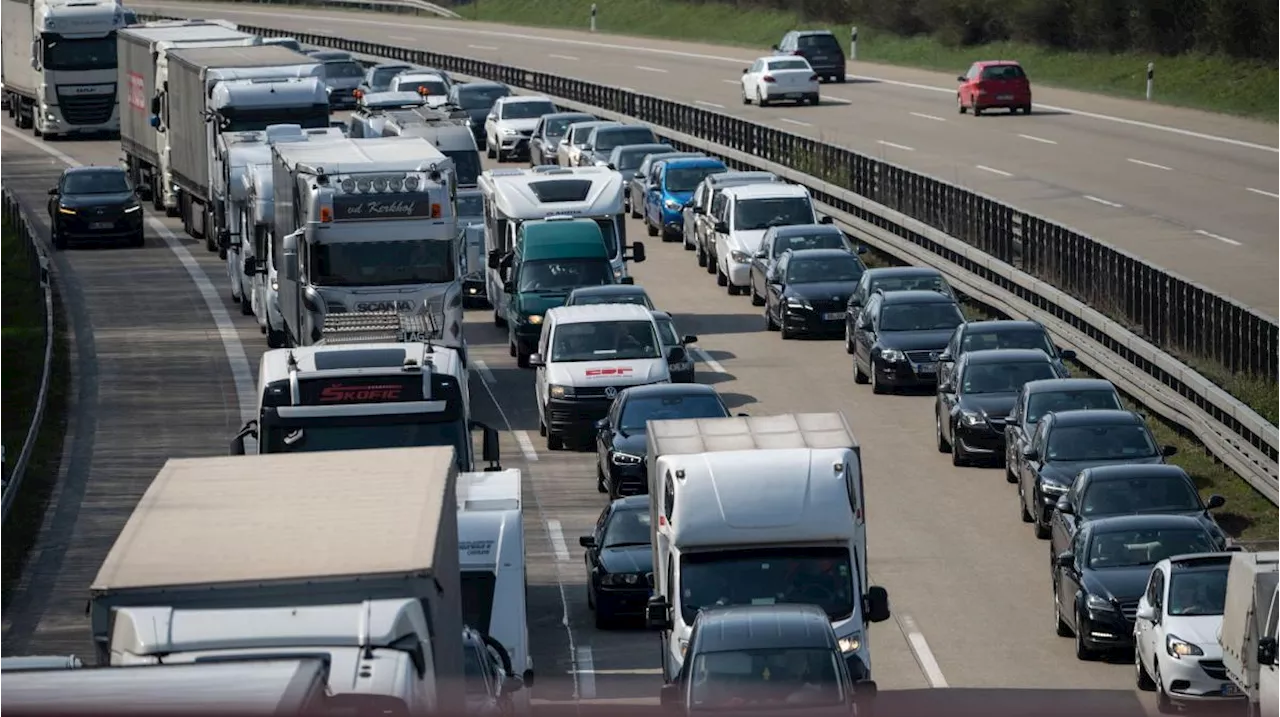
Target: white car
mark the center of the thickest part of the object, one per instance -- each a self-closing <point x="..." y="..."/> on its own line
<point x="511" y="122"/>
<point x="742" y="215"/>
<point x="1175" y="632"/>
<point x="569" y="153"/>
<point x="785" y="77"/>
<point x="427" y="84"/>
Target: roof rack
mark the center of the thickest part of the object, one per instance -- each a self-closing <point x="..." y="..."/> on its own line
<point x="363" y="327"/>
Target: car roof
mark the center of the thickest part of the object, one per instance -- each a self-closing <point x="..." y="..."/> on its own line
<point x="749" y="627"/>
<point x="631" y="502"/>
<point x="480" y="83"/>
<point x="916" y="296"/>
<point x="678" y="162"/>
<point x="661" y="315"/>
<point x="1125" y="471"/>
<point x="1118" y="523"/>
<point x="588" y="313"/>
<point x="998" y="325"/>
<point x="589" y="123"/>
<point x="766" y="190"/>
<point x="1046" y="385"/>
<point x="1096" y="417"/>
<point x="772" y="58"/>
<point x="609" y="290"/>
<point x="819" y="254"/>
<point x="391" y="66"/>
<point x="95" y="169"/>
<point x="902" y="271"/>
<point x="792" y="230"/>
<point x="990" y="356"/>
<point x="512" y="99"/>
<point x="1199" y="562"/>
<point x="670" y="389"/>
<point x="996" y="63"/>
<point x="803" y="33"/>
<point x="587" y="117"/>
<point x="654" y="147"/>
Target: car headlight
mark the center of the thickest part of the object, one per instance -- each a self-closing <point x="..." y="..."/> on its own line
<point x="1099" y="604"/>
<point x="970" y="418"/>
<point x="892" y="355"/>
<point x="134" y="208"/>
<point x="684" y="647"/>
<point x="275" y="285"/>
<point x="558" y="391"/>
<point x="740" y="257"/>
<point x="797" y="303"/>
<point x="1053" y="488"/>
<point x="617" y="274"/>
<point x="626" y="459"/>
<point x="850" y="643"/>
<point x="673" y="205"/>
<point x="620" y="579"/>
<point x="65" y="210"/>
<point x="508" y="132"/>
<point x="1177" y="647"/>
<point x="534" y="319"/>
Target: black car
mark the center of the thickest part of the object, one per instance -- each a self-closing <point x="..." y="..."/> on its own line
<point x="682" y="371"/>
<point x="778" y="240"/>
<point x="610" y="294"/>
<point x="820" y="48"/>
<point x="544" y="144"/>
<point x="475" y="100"/>
<point x="620" y="436"/>
<point x="95" y="203"/>
<point x="775" y="659"/>
<point x="896" y="335"/>
<point x="975" y="399"/>
<point x="1038" y="398"/>
<point x="1068" y="442"/>
<point x="1129" y="489"/>
<point x="619" y="559"/>
<point x="1099" y="578"/>
<point x="893" y="278"/>
<point x="603" y="139"/>
<point x="985" y="335"/>
<point x="807" y="290"/>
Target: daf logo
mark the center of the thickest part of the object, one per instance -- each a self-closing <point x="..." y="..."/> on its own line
<point x="86" y="90"/>
<point x="611" y="392"/>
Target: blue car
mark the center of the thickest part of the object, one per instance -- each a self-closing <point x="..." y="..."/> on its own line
<point x="670" y="186"/>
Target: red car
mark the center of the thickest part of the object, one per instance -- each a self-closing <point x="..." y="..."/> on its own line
<point x="994" y="84"/>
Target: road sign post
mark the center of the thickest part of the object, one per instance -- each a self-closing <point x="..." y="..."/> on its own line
<point x="593" y="17"/>
<point x="1151" y="78"/>
<point x="853" y="43"/>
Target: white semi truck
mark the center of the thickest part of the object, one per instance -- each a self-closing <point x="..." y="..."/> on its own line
<point x="349" y="556"/>
<point x="366" y="225"/>
<point x="216" y="90"/>
<point x="59" y="65"/>
<point x="1248" y="632"/>
<point x="143" y="70"/>
<point x="790" y="528"/>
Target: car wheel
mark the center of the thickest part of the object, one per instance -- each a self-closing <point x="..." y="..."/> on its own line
<point x="1082" y="649"/>
<point x="1141" y="676"/>
<point x="943" y="445"/>
<point x="848" y="339"/>
<point x="977" y="111"/>
<point x="591" y="595"/>
<point x="958" y="456"/>
<point x="603" y="622"/>
<point x="59" y="240"/>
<point x="787" y="332"/>
<point x="139" y="239"/>
<point x="522" y="359"/>
<point x="275" y="338"/>
<point x="721" y="278"/>
<point x="1037" y="518"/>
<point x="488" y="151"/>
<point x="1164" y="705"/>
<point x="1009" y="476"/>
<point x="554" y="442"/>
<point x="653" y="231"/>
<point x="858" y="376"/>
<point x="1026" y="109"/>
<point x="1022" y="506"/>
<point x="701" y="256"/>
<point x="246" y="305"/>
<point x="841" y="78"/>
<point x="960" y="104"/>
<point x="769" y="325"/>
<point x="498" y="321"/>
<point x="760" y="100"/>
<point x="756" y="299"/>
<point x="877" y="387"/>
<point x="815" y="100"/>
<point x="1060" y="626"/>
<point x="712" y="263"/>
<point x="746" y="100"/>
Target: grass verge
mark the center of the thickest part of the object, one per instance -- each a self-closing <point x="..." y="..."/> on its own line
<point x="22" y="352"/>
<point x="1217" y="84"/>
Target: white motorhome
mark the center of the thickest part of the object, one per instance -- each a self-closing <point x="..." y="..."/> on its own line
<point x="491" y="555"/>
<point x="366" y="225"/>
<point x="451" y="136"/>
<point x="1248" y="632"/>
<point x="742" y="215"/>
<point x="791" y="525"/>
<point x="371" y="382"/>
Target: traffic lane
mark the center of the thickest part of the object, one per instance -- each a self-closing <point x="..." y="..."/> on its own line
<point x="163" y="389"/>
<point x="946" y="542"/>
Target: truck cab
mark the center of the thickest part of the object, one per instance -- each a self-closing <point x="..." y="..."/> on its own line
<point x="451" y="136"/>
<point x="375" y="107"/>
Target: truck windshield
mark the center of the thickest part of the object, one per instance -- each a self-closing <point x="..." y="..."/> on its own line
<point x="466" y="167"/>
<point x="250" y="119"/>
<point x="605" y="341"/>
<point x="562" y="275"/>
<point x="95" y="53"/>
<point x="331" y="435"/>
<point x="382" y="263"/>
<point x="773" y="679"/>
<point x="767" y="576"/>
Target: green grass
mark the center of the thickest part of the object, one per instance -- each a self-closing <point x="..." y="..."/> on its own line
<point x="1211" y="83"/>
<point x="22" y="353"/>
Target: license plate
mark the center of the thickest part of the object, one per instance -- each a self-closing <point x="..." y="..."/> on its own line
<point x="101" y="225"/>
<point x="1230" y="689"/>
<point x="1004" y="97"/>
<point x="927" y="368"/>
<point x="832" y="317"/>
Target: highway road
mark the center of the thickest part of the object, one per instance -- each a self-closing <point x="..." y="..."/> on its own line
<point x="164" y="364"/>
<point x="1189" y="191"/>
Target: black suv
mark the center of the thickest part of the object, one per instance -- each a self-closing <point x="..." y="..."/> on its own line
<point x="95" y="203"/>
<point x="897" y="334"/>
<point x="820" y="48"/>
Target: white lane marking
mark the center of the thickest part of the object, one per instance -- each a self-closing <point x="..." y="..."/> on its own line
<point x="837" y="100"/>
<point x="587" y="673"/>
<point x="798" y="123"/>
<point x="454" y="29"/>
<point x="1034" y="138"/>
<point x="402" y="38"/>
<point x="705" y="357"/>
<point x="1219" y="237"/>
<point x="482" y="47"/>
<point x="1264" y="192"/>
<point x="317" y="31"/>
<point x="557" y="540"/>
<point x="920" y="648"/>
<point x="732" y="82"/>
<point x="485" y="373"/>
<point x="570" y="58"/>
<point x="526" y="444"/>
<point x="902" y="147"/>
<point x="922" y="115"/>
<point x="637" y="671"/>
<point x="993" y="170"/>
<point x="238" y="361"/>
<point x="710" y="104"/>
<point x="1100" y="200"/>
<point x="646" y="68"/>
<point x="1150" y="164"/>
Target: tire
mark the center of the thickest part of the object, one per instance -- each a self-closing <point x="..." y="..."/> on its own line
<point x="701" y="256"/>
<point x="1023" y="513"/>
<point x="554" y="442"/>
<point x="498" y="321"/>
<point x="1026" y="109"/>
<point x="1041" y="529"/>
<point x="139" y="239"/>
<point x="721" y="278"/>
<point x="488" y="151"/>
<point x="734" y="290"/>
<point x="275" y="338"/>
<point x="745" y="99"/>
<point x="943" y="445"/>
<point x="522" y="359"/>
<point x="1164" y="705"/>
<point x="59" y="240"/>
<point x="760" y="100"/>
<point x="511" y="349"/>
<point x="1009" y="477"/>
<point x="815" y="100"/>
<point x="712" y="263"/>
<point x="1083" y="653"/>
<point x="756" y="299"/>
<point x="600" y="486"/>
<point x="842" y="78"/>
<point x="246" y="305"/>
<point x="653" y="231"/>
<point x="960" y="105"/>
<point x="977" y="111"/>
<point x="858" y="376"/>
<point x="848" y="340"/>
<point x="769" y="325"/>
<point x="786" y="331"/>
<point x="1142" y="678"/>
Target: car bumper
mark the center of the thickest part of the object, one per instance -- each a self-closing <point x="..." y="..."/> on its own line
<point x="628" y="478"/>
<point x="792" y="92"/>
<point x="828" y="68"/>
<point x="1047" y="501"/>
<point x="549" y="156"/>
<point x="1001" y="101"/>
<point x="514" y="145"/>
<point x="903" y="374"/>
<point x="981" y="439"/>
<point x="1195" y="680"/>
<point x="673" y="220"/>
<point x="621" y="602"/>
<point x="739" y="274"/>
<point x="1103" y="630"/>
<point x="575" y="418"/>
<point x="122" y="228"/>
<point x="342" y="98"/>
<point x="814" y="321"/>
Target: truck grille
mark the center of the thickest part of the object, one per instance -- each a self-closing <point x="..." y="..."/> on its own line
<point x="597" y="391"/>
<point x="1214" y="669"/>
<point x="87" y="109"/>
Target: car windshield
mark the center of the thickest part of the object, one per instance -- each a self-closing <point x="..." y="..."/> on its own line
<point x="343" y="70"/>
<point x="605" y="341"/>
<point x="95" y="183"/>
<point x="686" y="179"/>
<point x="932" y="316"/>
<point x="639" y="298"/>
<point x="774" y="679"/>
<point x="526" y="110"/>
<point x="756" y="214"/>
<point x="827" y="269"/>
<point x="629" y="160"/>
<point x="627" y="526"/>
<point x="912" y="283"/>
<point x="821" y="240"/>
<point x="667" y="332"/>
<point x="1003" y="377"/>
<point x="1107" y="442"/>
<point x="470" y="205"/>
<point x="380" y="78"/>
<point x="1149" y="494"/>
<point x="382" y="263"/>
<point x="558" y="126"/>
<point x="1010" y="339"/>
<point x="580" y="134"/>
<point x="1198" y="592"/>
<point x="1043" y="402"/>
<point x="480" y="98"/>
<point x="563" y="275"/>
<point x="809" y="575"/>
<point x="637" y="412"/>
<point x="1134" y="548"/>
<point x="796" y="64"/>
<point x="607" y="139"/>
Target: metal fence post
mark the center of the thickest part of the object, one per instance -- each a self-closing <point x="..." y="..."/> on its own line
<point x="1151" y="78"/>
<point x="593" y="17"/>
<point x="853" y="43"/>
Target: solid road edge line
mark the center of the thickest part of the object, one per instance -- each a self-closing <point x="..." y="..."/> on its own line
<point x="920" y="650"/>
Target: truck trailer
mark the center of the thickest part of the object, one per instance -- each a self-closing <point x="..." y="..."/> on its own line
<point x="1248" y="632"/>
<point x="59" y="65"/>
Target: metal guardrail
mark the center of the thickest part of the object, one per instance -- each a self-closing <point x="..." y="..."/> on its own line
<point x="405" y="6"/>
<point x="1005" y="257"/>
<point x="16" y="219"/>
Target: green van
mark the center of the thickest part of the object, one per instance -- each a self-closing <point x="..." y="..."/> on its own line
<point x="552" y="257"/>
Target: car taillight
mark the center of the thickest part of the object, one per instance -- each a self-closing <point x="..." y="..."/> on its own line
<point x="813" y="78"/>
<point x="767" y="78"/>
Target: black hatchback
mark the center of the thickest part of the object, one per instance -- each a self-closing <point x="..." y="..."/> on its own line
<point x="95" y="203"/>
<point x="820" y="48"/>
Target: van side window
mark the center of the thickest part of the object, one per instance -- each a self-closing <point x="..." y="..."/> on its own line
<point x="668" y="496"/>
<point x="671" y="578"/>
<point x="1272" y="616"/>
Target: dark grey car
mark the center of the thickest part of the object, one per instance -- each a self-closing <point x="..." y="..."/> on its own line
<point x="638" y="182"/>
<point x="603" y="139"/>
<point x="544" y="145"/>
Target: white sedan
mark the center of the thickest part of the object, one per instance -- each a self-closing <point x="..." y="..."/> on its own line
<point x="779" y="78"/>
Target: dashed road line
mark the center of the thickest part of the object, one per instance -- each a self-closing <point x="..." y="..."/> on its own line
<point x="401" y="38"/>
<point x="1219" y="237"/>
<point x="705" y="358"/>
<point x="646" y="68"/>
<point x="1152" y="165"/>
<point x="1264" y="192"/>
<point x="993" y="170"/>
<point x="1100" y="200"/>
<point x="486" y="374"/>
<point x="586" y="674"/>
<point x="920" y="648"/>
<point x="837" y="100"/>
<point x="526" y="444"/>
<point x="482" y="47"/>
<point x="798" y="123"/>
<point x="1034" y="138"/>
<point x="709" y="104"/>
<point x="902" y="147"/>
<point x="557" y="540"/>
<point x="732" y="82"/>
<point x="922" y="115"/>
<point x="570" y="58"/>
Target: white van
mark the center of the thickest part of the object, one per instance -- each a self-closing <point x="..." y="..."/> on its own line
<point x="588" y="354"/>
<point x="741" y="216"/>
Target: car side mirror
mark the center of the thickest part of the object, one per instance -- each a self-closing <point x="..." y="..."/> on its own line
<point x="1065" y="559"/>
<point x="537" y="361"/>
<point x="762" y="254"/>
<point x="656" y="613"/>
<point x="612" y="166"/>
<point x="53" y="192"/>
<point x="494" y="260"/>
<point x="946" y="387"/>
<point x="677" y="354"/>
<point x="745" y="70"/>
<point x="944" y="357"/>
<point x="1066" y="354"/>
<point x="826" y="220"/>
<point x="876" y="604"/>
<point x="289" y="250"/>
<point x="587" y="541"/>
<point x="1146" y="611"/>
<point x="773" y="47"/>
<point x="699" y="210"/>
<point x="1215" y="501"/>
<point x="638" y="175"/>
<point x="1030" y="454"/>
<point x="602" y="424"/>
<point x="627" y="280"/>
<point x="722" y="227"/>
<point x="669" y="696"/>
<point x="237" y="443"/>
<point x="250" y="265"/>
<point x="960" y="78"/>
<point x="637" y="252"/>
<point x="862" y="249"/>
<point x="1064" y="506"/>
<point x="689" y="339"/>
<point x="1167" y="451"/>
<point x="491" y="117"/>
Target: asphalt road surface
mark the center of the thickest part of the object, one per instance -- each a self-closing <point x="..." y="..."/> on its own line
<point x="1190" y="191"/>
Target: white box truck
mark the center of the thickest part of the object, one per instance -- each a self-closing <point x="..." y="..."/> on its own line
<point x="790" y="528"/>
<point x="348" y="554"/>
<point x="1248" y="633"/>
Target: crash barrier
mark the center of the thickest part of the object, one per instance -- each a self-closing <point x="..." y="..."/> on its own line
<point x="414" y="7"/>
<point x="1005" y="258"/>
<point x="15" y="220"/>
